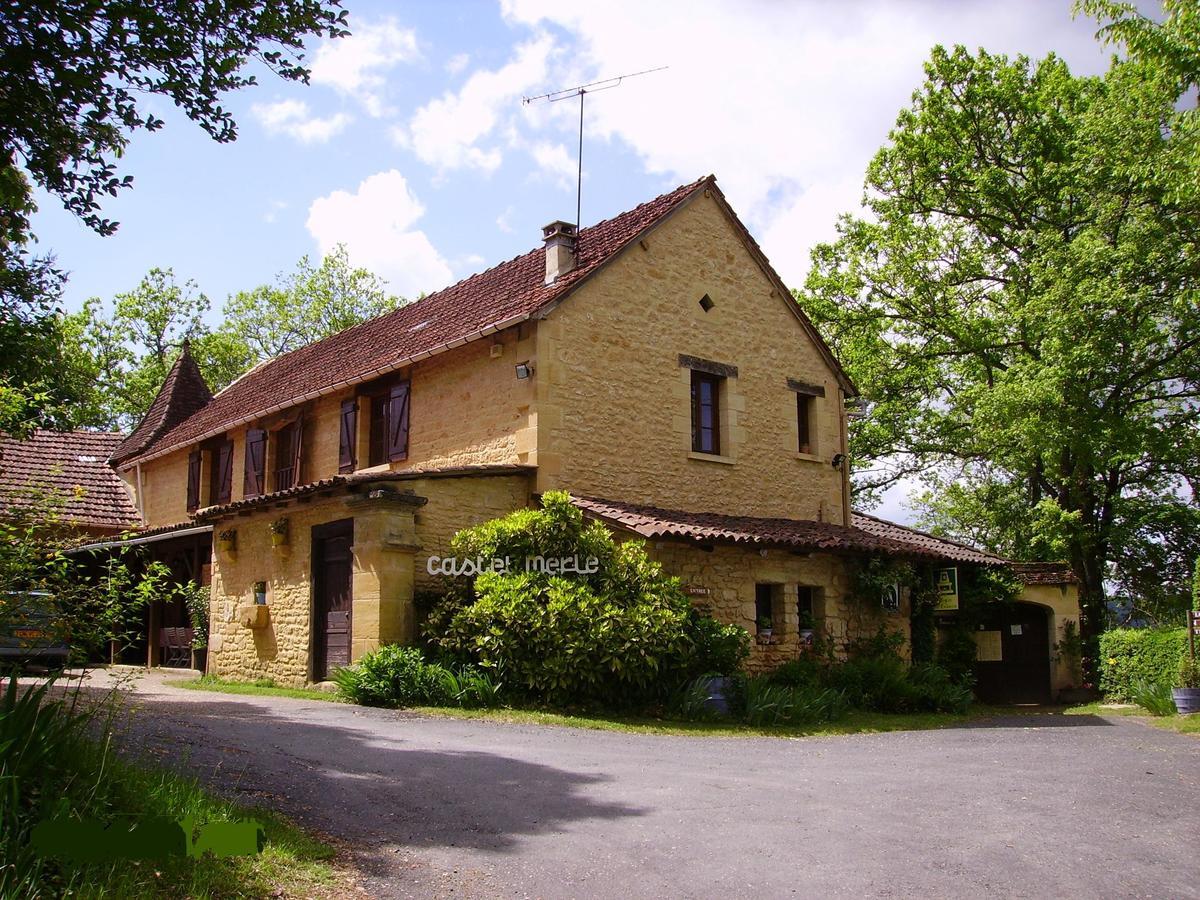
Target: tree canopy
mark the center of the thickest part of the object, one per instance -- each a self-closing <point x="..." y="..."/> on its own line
<point x="73" y="78"/>
<point x="123" y="356"/>
<point x="1020" y="304"/>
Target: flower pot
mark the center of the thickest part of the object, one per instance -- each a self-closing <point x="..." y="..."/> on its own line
<point x="278" y="540"/>
<point x="1187" y="700"/>
<point x="765" y="634"/>
<point x="226" y="546"/>
<point x="720" y="689"/>
<point x="808" y="637"/>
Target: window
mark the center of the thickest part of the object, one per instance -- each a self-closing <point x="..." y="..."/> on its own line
<point x="348" y="437"/>
<point x="805" y="407"/>
<point x="193" y="482"/>
<point x="254" y="476"/>
<point x="220" y="482"/>
<point x="804" y="605"/>
<point x="706" y="412"/>
<point x="389" y="425"/>
<point x="764" y="607"/>
<point x="289" y="442"/>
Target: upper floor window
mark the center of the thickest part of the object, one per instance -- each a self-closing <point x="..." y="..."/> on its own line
<point x="389" y="425"/>
<point x="706" y="412"/>
<point x="193" y="480"/>
<point x="254" y="476"/>
<point x="805" y="407"/>
<point x="220" y="482"/>
<point x="348" y="436"/>
<point x="289" y="442"/>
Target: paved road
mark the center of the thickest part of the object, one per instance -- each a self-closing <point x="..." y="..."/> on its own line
<point x="1032" y="806"/>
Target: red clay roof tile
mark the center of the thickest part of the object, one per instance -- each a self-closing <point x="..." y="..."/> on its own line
<point x="73" y="464"/>
<point x="943" y="547"/>
<point x="183" y="393"/>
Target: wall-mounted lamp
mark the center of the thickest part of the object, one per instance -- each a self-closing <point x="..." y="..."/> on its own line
<point x="524" y="370"/>
<point x="838" y="460"/>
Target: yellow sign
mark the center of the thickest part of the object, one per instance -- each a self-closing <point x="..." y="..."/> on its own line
<point x="945" y="584"/>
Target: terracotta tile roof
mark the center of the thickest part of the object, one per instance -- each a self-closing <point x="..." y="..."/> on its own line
<point x="183" y="393"/>
<point x="799" y="534"/>
<point x="503" y="295"/>
<point x="1044" y="573"/>
<point x="74" y="464"/>
<point x="334" y="481"/>
<point x="943" y="547"/>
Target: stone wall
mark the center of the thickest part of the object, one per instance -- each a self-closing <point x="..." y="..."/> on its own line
<point x="613" y="400"/>
<point x="393" y="537"/>
<point x="722" y="582"/>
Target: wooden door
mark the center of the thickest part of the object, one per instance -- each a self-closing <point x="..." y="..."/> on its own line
<point x="332" y="598"/>
<point x="1021" y="674"/>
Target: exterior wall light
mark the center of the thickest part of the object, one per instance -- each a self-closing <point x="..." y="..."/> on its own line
<point x="838" y="460"/>
<point x="524" y="370"/>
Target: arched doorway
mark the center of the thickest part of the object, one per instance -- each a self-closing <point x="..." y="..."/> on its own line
<point x="1013" y="665"/>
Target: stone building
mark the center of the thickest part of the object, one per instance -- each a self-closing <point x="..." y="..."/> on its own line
<point x="653" y="365"/>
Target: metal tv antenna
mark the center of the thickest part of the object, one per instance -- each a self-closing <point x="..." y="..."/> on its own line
<point x="579" y="91"/>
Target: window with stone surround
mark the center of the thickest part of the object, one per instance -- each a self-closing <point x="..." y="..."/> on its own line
<point x="805" y="407"/>
<point x="765" y="597"/>
<point x="706" y="412"/>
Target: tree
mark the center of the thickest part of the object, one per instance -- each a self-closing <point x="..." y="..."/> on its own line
<point x="1021" y="307"/>
<point x="71" y="76"/>
<point x="124" y="358"/>
<point x="305" y="306"/>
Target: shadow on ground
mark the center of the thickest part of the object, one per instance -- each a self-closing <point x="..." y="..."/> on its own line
<point x="364" y="776"/>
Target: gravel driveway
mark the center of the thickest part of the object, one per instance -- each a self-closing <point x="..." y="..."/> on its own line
<point x="1040" y="806"/>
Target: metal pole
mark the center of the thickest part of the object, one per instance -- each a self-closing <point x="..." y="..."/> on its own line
<point x="579" y="177"/>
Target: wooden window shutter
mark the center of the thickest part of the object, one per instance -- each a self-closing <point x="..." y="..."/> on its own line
<point x="254" y="480"/>
<point x="297" y="451"/>
<point x="347" y="455"/>
<point x="193" y="482"/>
<point x="225" y="469"/>
<point x="397" y="423"/>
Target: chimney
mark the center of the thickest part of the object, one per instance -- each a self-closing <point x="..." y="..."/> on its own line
<point x="559" y="238"/>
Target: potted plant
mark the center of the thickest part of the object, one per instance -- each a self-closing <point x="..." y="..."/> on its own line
<point x="766" y="628"/>
<point x="227" y="540"/>
<point x="808" y="632"/>
<point x="1186" y="693"/>
<point x="279" y="532"/>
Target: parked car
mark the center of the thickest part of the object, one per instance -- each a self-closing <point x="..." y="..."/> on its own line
<point x="30" y="633"/>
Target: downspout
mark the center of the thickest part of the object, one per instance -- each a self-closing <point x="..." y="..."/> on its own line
<point x="846" y="520"/>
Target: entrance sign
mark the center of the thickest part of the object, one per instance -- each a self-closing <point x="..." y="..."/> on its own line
<point x="550" y="565"/>
<point x="945" y="585"/>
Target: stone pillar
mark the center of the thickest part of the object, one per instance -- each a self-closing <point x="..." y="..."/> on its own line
<point x="385" y="548"/>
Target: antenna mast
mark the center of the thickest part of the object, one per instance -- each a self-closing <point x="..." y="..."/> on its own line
<point x="579" y="91"/>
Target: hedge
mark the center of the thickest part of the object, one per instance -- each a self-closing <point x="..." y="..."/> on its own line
<point x="1131" y="655"/>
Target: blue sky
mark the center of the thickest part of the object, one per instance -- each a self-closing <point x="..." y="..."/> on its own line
<point x="413" y="148"/>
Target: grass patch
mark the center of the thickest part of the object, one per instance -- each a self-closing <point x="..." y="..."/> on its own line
<point x="57" y="763"/>
<point x="1176" y="723"/>
<point x="264" y="687"/>
<point x="855" y="722"/>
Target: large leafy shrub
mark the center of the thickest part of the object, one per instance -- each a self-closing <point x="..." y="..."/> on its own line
<point x="392" y="676"/>
<point x="1132" y="655"/>
<point x="623" y="634"/>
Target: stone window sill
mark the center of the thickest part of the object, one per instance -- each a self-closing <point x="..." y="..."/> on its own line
<point x="711" y="457"/>
<point x="809" y="457"/>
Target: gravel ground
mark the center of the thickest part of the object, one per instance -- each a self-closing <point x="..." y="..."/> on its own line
<point x="1028" y="805"/>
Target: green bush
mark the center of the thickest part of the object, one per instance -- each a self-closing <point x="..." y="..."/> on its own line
<point x="1155" y="698"/>
<point x="393" y="676"/>
<point x="765" y="702"/>
<point x="1188" y="675"/>
<point x="806" y="671"/>
<point x="622" y="635"/>
<point x="1132" y="655"/>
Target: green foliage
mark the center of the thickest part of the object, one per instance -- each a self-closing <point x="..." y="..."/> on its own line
<point x="1132" y="655"/>
<point x="922" y="623"/>
<point x="393" y="676"/>
<point x="1154" y="697"/>
<point x="957" y="652"/>
<point x="1070" y="649"/>
<point x="1020" y="301"/>
<point x="766" y="702"/>
<point x="624" y="634"/>
<point x="196" y="598"/>
<point x="1188" y="675"/>
<point x="127" y="355"/>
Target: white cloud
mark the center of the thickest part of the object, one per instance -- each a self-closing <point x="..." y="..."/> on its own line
<point x="457" y="63"/>
<point x="784" y="102"/>
<point x="504" y="220"/>
<point x="271" y="216"/>
<point x="554" y="161"/>
<point x="447" y="132"/>
<point x="357" y="65"/>
<point x="293" y="118"/>
<point x="376" y="225"/>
